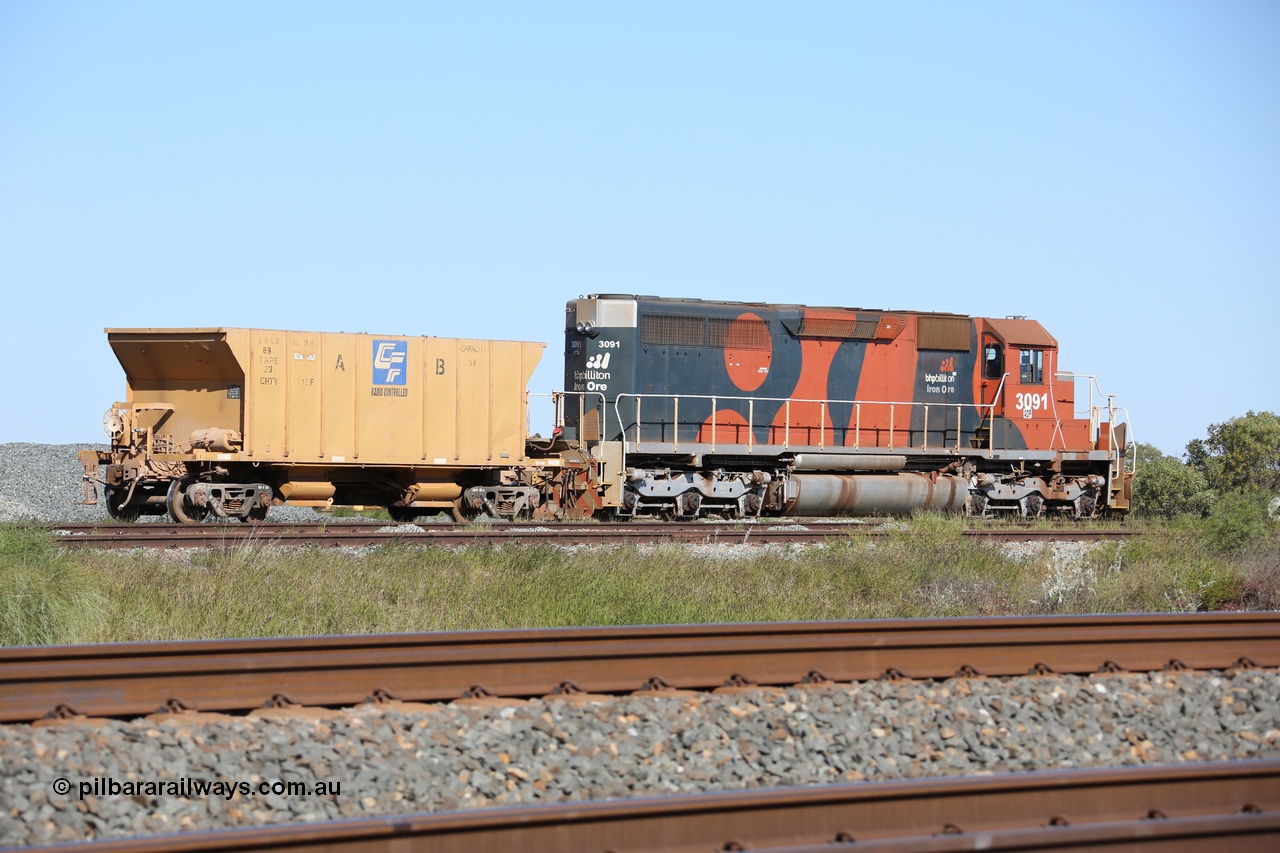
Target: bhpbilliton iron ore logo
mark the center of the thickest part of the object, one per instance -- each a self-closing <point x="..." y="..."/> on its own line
<point x="389" y="359"/>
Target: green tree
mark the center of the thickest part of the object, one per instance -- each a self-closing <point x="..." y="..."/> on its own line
<point x="1144" y="454"/>
<point x="1163" y="487"/>
<point x="1242" y="453"/>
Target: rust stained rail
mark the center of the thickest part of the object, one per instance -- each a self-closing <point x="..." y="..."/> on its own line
<point x="328" y="534"/>
<point x="1232" y="805"/>
<point x="137" y="678"/>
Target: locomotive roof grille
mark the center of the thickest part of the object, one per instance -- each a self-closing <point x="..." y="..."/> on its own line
<point x="944" y="333"/>
<point x="839" y="327"/>
<point x="681" y="330"/>
<point x="673" y="330"/>
<point x="739" y="333"/>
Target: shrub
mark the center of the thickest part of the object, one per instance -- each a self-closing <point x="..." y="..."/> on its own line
<point x="1165" y="488"/>
<point x="1236" y="520"/>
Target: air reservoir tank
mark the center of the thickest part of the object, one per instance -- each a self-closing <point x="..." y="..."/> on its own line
<point x="871" y="494"/>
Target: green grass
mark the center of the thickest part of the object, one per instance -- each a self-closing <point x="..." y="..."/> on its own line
<point x="351" y="512"/>
<point x="929" y="569"/>
<point x="46" y="595"/>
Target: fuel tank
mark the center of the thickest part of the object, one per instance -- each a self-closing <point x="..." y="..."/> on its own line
<point x="872" y="494"/>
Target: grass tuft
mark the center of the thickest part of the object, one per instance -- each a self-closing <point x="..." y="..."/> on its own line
<point x="924" y="568"/>
<point x="46" y="595"/>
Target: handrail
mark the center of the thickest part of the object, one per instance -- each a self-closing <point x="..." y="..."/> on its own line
<point x="557" y="403"/>
<point x="786" y="403"/>
<point x="991" y="413"/>
<point x="1113" y="411"/>
<point x="855" y="428"/>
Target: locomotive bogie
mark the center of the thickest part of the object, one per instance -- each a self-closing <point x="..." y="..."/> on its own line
<point x="691" y="494"/>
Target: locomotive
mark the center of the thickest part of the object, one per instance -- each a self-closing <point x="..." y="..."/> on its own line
<point x="671" y="408"/>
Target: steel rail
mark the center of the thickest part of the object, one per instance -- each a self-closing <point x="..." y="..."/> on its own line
<point x="1229" y="805"/>
<point x="129" y="679"/>
<point x="354" y="535"/>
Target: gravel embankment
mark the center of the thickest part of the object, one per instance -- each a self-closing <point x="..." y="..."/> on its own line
<point x="42" y="482"/>
<point x="452" y="756"/>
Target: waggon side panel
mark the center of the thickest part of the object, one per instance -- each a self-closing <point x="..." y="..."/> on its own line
<point x="441" y="411"/>
<point x="323" y="399"/>
<point x="511" y="370"/>
<point x="338" y="367"/>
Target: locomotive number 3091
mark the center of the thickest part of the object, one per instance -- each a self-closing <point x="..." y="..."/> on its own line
<point x="1034" y="402"/>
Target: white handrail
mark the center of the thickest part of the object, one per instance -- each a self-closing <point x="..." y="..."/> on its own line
<point x="557" y="402"/>
<point x="786" y="403"/>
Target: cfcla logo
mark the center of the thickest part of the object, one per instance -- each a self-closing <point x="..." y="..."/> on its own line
<point x="388" y="362"/>
<point x="599" y="361"/>
<point x="948" y="364"/>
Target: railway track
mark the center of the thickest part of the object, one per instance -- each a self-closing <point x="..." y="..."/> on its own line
<point x="1233" y="806"/>
<point x="331" y="534"/>
<point x="127" y="679"/>
<point x="1210" y="806"/>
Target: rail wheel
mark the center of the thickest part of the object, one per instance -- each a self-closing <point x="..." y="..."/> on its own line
<point x="176" y="503"/>
<point x="256" y="515"/>
<point x="1032" y="506"/>
<point x="464" y="512"/>
<point x="114" y="497"/>
<point x="1086" y="506"/>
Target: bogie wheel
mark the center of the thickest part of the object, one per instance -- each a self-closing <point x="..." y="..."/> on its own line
<point x="176" y="503"/>
<point x="463" y="512"/>
<point x="114" y="497"/>
<point x="256" y="515"/>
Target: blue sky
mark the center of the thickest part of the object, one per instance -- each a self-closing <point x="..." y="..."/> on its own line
<point x="461" y="169"/>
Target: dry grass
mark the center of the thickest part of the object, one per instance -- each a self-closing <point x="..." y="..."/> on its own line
<point x="932" y="570"/>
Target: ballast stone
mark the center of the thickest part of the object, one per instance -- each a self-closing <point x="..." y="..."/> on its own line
<point x="391" y="762"/>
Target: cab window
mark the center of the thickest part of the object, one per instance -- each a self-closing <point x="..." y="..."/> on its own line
<point x="993" y="358"/>
<point x="1032" y="363"/>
